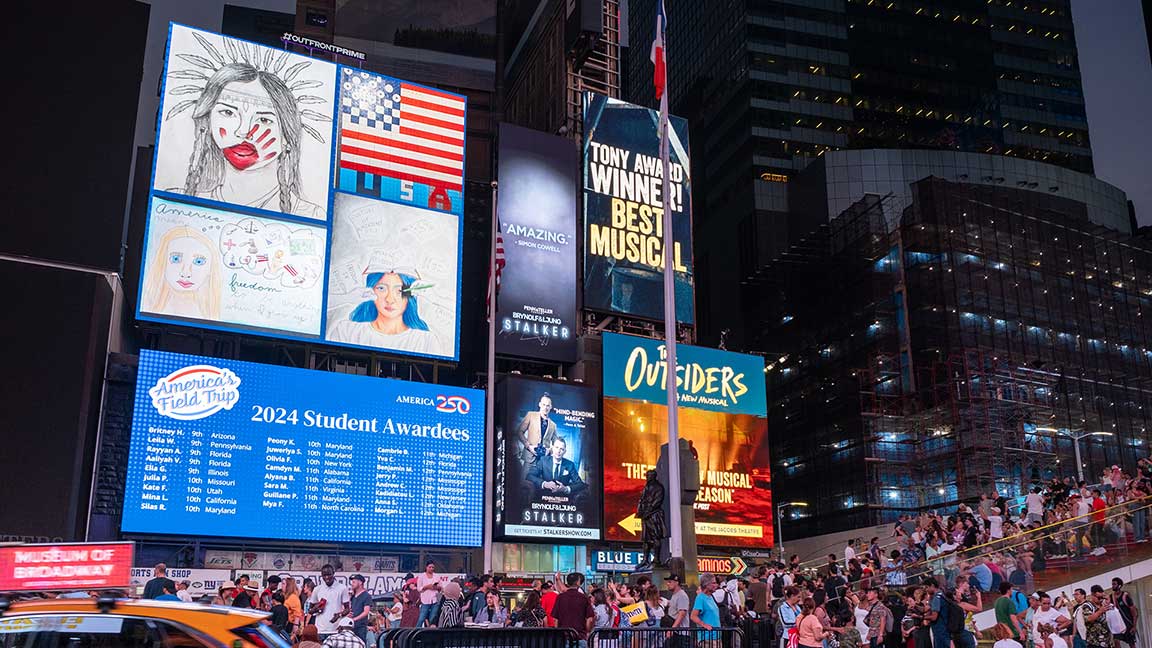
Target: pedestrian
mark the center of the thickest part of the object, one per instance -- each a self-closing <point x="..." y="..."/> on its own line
<point x="493" y="612"/>
<point x="360" y="606"/>
<point x="344" y="637"/>
<point x="328" y="602"/>
<point x="225" y="594"/>
<point x="573" y="610"/>
<point x="451" y="613"/>
<point x="244" y="594"/>
<point x="182" y="592"/>
<point x="428" y="584"/>
<point x="1095" y="609"/>
<point x="309" y="637"/>
<point x="1099" y="520"/>
<point x="1124" y="604"/>
<point x="292" y="602"/>
<point x="271" y="586"/>
<point x="1005" y="637"/>
<point x="787" y="614"/>
<point x="280" y="617"/>
<point x="810" y="633"/>
<point x="1046" y="614"/>
<point x="878" y="619"/>
<point x="705" y="612"/>
<point x="678" y="604"/>
<point x="531" y="614"/>
<point x="412" y="603"/>
<point x="159" y="582"/>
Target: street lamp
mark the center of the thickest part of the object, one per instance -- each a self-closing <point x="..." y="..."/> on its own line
<point x="779" y="526"/>
<point x="1075" y="445"/>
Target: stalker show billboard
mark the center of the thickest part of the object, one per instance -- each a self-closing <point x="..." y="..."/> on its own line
<point x="623" y="212"/>
<point x="548" y="471"/>
<point x="723" y="415"/>
<point x="536" y="306"/>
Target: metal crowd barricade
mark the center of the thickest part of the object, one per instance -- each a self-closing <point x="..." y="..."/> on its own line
<point x="645" y="637"/>
<point x="478" y="638"/>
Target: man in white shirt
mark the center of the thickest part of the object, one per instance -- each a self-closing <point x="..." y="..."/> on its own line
<point x="1081" y="507"/>
<point x="329" y="602"/>
<point x="182" y="592"/>
<point x="1047" y="615"/>
<point x="428" y="584"/>
<point x="1034" y="502"/>
<point x="849" y="553"/>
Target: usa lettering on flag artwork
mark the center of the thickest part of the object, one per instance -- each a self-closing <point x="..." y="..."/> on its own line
<point x="401" y="142"/>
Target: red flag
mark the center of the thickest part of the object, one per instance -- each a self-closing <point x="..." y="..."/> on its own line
<point x="660" y="73"/>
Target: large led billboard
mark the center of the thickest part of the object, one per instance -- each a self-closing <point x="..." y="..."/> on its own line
<point x="536" y="306"/>
<point x="297" y="198"/>
<point x="548" y="472"/>
<point x="723" y="415"/>
<point x="236" y="449"/>
<point x="623" y="210"/>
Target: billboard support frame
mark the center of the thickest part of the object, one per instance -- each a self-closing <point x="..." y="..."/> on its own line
<point x="490" y="395"/>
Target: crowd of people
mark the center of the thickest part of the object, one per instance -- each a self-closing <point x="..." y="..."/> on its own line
<point x="918" y="588"/>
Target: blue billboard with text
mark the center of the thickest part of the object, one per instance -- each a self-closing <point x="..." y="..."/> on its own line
<point x="229" y="448"/>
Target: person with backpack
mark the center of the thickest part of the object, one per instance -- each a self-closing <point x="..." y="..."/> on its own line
<point x="1123" y="603"/>
<point x="958" y="608"/>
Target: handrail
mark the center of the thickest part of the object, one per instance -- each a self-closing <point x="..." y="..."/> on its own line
<point x="1020" y="539"/>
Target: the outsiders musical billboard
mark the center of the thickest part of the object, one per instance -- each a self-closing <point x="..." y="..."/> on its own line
<point x="238" y="449"/>
<point x="295" y="198"/>
<point x="548" y="473"/>
<point x="536" y="305"/>
<point x="623" y="212"/>
<point x="723" y="415"/>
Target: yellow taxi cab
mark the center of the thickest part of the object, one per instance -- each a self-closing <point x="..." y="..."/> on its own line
<point x="126" y="623"/>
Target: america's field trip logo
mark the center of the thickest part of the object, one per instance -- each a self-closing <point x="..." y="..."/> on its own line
<point x="195" y="392"/>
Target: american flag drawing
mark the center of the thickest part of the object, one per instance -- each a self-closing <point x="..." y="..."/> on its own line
<point x="394" y="129"/>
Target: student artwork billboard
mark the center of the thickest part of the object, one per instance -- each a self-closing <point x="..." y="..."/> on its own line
<point x="393" y="281"/>
<point x="722" y="414"/>
<point x="249" y="228"/>
<point x="623" y="210"/>
<point x="548" y="471"/>
<point x="536" y="307"/>
<point x="245" y="124"/>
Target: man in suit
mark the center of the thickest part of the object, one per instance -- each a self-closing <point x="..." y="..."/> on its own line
<point x="555" y="475"/>
<point x="536" y="432"/>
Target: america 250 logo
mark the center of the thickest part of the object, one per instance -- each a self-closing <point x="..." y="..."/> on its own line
<point x="195" y="392"/>
<point x="453" y="404"/>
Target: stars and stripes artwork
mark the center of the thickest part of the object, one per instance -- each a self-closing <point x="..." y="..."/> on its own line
<point x="401" y="142"/>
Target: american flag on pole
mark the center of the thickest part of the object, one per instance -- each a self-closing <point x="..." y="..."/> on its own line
<point x="660" y="71"/>
<point x="394" y="132"/>
<point x="498" y="265"/>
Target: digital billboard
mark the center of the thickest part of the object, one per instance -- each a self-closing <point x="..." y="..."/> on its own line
<point x="536" y="306"/>
<point x="548" y="472"/>
<point x="623" y="210"/>
<point x="723" y="416"/>
<point x="279" y="178"/>
<point x="236" y="449"/>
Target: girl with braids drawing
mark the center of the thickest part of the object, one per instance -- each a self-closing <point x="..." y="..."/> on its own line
<point x="248" y="121"/>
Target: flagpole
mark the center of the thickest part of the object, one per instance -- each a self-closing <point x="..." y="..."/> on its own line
<point x="490" y="398"/>
<point x="676" y="538"/>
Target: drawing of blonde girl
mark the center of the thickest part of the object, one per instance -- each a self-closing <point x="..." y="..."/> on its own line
<point x="183" y="277"/>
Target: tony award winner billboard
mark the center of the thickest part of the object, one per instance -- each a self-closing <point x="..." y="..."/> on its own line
<point x="623" y="210"/>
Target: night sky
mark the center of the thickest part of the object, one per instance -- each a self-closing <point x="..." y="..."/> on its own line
<point x="1117" y="74"/>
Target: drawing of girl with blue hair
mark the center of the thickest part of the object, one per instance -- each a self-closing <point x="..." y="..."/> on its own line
<point x="390" y="319"/>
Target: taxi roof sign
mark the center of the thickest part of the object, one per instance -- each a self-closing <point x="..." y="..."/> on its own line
<point x="79" y="566"/>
